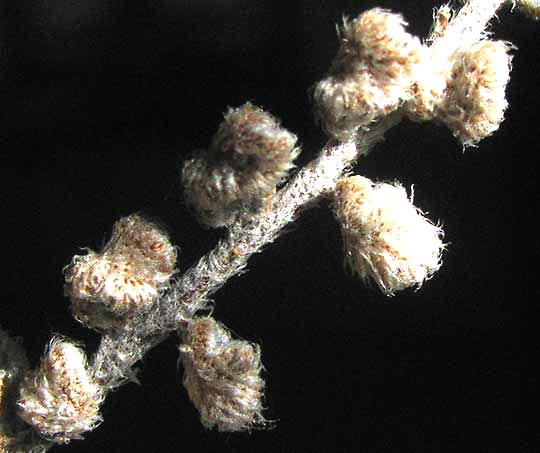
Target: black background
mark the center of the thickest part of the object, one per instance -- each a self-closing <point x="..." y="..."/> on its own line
<point x="100" y="101"/>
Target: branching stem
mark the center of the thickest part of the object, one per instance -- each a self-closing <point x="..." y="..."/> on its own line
<point x="117" y="354"/>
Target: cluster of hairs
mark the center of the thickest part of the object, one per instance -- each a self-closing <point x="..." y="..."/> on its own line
<point x="13" y="364"/>
<point x="59" y="399"/>
<point x="372" y="73"/>
<point x="125" y="278"/>
<point x="249" y="156"/>
<point x="222" y="376"/>
<point x="429" y="87"/>
<point x="380" y="68"/>
<point x="466" y="92"/>
<point x="386" y="239"/>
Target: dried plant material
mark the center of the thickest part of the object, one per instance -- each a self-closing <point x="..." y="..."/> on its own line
<point x="344" y="104"/>
<point x="134" y="235"/>
<point x="441" y="18"/>
<point x="429" y="89"/>
<point x="13" y="363"/>
<point x="386" y="239"/>
<point x="222" y="377"/>
<point x="475" y="100"/>
<point x="60" y="399"/>
<point x="125" y="279"/>
<point x="377" y="41"/>
<point x="372" y="74"/>
<point x="249" y="156"/>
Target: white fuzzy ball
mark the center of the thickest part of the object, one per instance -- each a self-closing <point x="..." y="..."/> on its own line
<point x="386" y="239"/>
